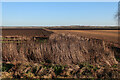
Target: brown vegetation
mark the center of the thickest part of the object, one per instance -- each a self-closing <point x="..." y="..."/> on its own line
<point x="64" y="48"/>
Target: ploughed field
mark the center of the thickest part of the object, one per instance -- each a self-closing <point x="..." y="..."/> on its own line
<point x="29" y="32"/>
<point x="107" y="35"/>
<point x="21" y="35"/>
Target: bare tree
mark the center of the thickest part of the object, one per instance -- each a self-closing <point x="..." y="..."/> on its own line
<point x="117" y="16"/>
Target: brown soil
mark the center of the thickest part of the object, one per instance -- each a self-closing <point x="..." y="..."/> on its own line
<point x="107" y="35"/>
<point x="26" y="32"/>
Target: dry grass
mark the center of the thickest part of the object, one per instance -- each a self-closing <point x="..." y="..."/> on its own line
<point x="61" y="49"/>
<point x="64" y="47"/>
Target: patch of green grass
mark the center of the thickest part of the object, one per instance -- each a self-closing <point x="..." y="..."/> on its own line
<point x="3" y="38"/>
<point x="7" y="67"/>
<point x="118" y="58"/>
<point x="34" y="69"/>
<point x="10" y="41"/>
<point x="81" y="66"/>
<point x="87" y="72"/>
<point x="58" y="69"/>
<point x="42" y="40"/>
<point x="47" y="61"/>
<point x="29" y="75"/>
<point x="95" y="68"/>
<point x="114" y="66"/>
<point x="90" y="66"/>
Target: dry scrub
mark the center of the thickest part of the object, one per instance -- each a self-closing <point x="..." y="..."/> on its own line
<point x="61" y="49"/>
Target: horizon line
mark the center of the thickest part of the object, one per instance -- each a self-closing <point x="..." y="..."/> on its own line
<point x="52" y="25"/>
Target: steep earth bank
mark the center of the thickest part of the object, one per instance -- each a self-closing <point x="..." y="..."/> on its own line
<point x="63" y="49"/>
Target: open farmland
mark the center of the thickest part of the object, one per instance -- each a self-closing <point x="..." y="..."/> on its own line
<point x="107" y="35"/>
<point x="49" y="53"/>
<point x="29" y="32"/>
<point x="20" y="35"/>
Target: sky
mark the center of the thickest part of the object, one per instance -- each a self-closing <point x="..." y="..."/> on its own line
<point x="58" y="13"/>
